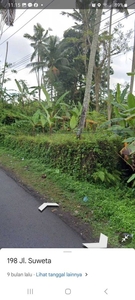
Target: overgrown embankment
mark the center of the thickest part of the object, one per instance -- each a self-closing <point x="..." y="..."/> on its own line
<point x="78" y="158"/>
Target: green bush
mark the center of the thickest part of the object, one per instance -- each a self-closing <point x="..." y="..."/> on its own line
<point x="78" y="158"/>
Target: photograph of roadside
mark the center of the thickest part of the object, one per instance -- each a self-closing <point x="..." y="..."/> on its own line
<point x="67" y="125"/>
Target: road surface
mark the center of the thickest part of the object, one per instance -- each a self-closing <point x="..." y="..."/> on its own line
<point x="23" y="226"/>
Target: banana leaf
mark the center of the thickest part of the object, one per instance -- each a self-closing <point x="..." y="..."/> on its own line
<point x="130" y="117"/>
<point x="73" y="121"/>
<point x="131" y="73"/>
<point x="120" y="106"/>
<point x="129" y="140"/>
<point x="131" y="101"/>
<point x="114" y="120"/>
<point x="118" y="93"/>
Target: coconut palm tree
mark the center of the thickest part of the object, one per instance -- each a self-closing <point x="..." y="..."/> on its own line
<point x="39" y="43"/>
<point x="84" y="21"/>
<point x="125" y="11"/>
<point x="56" y="60"/>
<point x="90" y="72"/>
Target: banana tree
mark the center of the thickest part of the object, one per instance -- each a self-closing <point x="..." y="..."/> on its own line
<point x="25" y="92"/>
<point x="75" y="115"/>
<point x="54" y="110"/>
<point x="41" y="118"/>
<point x="32" y="121"/>
<point x="48" y="118"/>
<point x="57" y="103"/>
<point x="124" y="111"/>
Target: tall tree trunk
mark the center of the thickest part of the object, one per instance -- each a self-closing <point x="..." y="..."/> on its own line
<point x="38" y="79"/>
<point x="109" y="107"/>
<point x="42" y="76"/>
<point x="86" y="36"/>
<point x="51" y="92"/>
<point x="133" y="66"/>
<point x="90" y="73"/>
<point x="97" y="77"/>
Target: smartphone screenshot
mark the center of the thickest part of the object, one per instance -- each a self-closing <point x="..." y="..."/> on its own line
<point x="67" y="149"/>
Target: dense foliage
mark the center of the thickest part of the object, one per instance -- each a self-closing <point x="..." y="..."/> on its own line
<point x="86" y="159"/>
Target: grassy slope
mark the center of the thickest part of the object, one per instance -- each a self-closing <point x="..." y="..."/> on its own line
<point x="108" y="210"/>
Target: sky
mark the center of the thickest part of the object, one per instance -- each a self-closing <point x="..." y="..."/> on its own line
<point x="19" y="49"/>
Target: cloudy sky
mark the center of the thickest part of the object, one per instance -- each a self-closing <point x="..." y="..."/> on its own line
<point x="19" y="49"/>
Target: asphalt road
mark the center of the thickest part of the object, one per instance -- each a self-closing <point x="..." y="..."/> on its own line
<point x="23" y="226"/>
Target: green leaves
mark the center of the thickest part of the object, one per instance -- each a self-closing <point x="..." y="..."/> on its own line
<point x="131" y="100"/>
<point x="48" y="99"/>
<point x="132" y="148"/>
<point x="25" y="92"/>
<point x="76" y="113"/>
<point x="73" y="121"/>
<point x="51" y="109"/>
<point x="36" y="117"/>
<point x="43" y="120"/>
<point x="61" y="98"/>
<point x="99" y="175"/>
<point x="119" y="106"/>
<point x="124" y="111"/>
<point x="131" y="73"/>
<point x="118" y="93"/>
<point x="130" y="118"/>
<point x="19" y="86"/>
<point x="129" y="140"/>
<point x="112" y="121"/>
<point x="102" y="175"/>
<point x="131" y="178"/>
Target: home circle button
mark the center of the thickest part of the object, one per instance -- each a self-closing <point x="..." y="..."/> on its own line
<point x="67" y="291"/>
